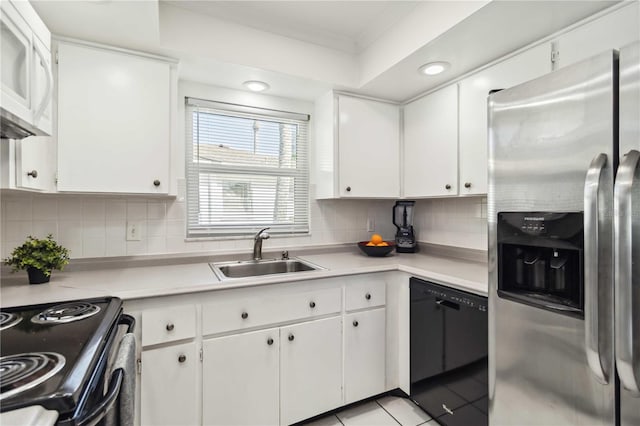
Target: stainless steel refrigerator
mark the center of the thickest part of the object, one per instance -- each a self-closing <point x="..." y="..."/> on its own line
<point x="564" y="246"/>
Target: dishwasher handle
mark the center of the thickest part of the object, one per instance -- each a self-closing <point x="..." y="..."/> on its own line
<point x="448" y="304"/>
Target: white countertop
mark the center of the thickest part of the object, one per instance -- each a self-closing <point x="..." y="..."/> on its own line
<point x="163" y="280"/>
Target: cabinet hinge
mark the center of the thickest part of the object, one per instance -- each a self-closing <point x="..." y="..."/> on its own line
<point x="139" y="366"/>
<point x="555" y="55"/>
<point x="57" y="58"/>
<point x="201" y="355"/>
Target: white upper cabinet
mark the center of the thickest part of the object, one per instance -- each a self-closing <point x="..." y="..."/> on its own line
<point x="357" y="147"/>
<point x="611" y="31"/>
<point x="431" y="145"/>
<point x="114" y="121"/>
<point x="474" y="91"/>
<point x="27" y="81"/>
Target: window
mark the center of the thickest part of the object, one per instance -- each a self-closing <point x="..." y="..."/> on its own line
<point x="246" y="168"/>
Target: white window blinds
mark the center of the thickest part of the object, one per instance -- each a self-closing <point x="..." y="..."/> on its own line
<point x="246" y="168"/>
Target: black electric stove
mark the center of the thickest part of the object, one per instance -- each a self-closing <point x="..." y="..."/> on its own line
<point x="55" y="355"/>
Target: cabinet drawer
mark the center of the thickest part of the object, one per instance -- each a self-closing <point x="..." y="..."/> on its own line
<point x="365" y="293"/>
<point x="234" y="313"/>
<point x="167" y="325"/>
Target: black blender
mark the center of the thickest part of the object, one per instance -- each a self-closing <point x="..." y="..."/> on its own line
<point x="403" y="219"/>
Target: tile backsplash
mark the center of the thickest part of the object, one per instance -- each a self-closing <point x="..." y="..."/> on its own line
<point x="95" y="226"/>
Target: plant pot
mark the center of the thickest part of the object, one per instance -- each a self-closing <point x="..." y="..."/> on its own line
<point x="36" y="276"/>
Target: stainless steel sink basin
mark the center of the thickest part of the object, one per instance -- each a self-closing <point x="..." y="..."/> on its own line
<point x="253" y="268"/>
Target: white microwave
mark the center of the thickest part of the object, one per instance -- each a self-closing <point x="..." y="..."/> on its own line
<point x="27" y="79"/>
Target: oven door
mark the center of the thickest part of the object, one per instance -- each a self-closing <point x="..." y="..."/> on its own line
<point x="115" y="375"/>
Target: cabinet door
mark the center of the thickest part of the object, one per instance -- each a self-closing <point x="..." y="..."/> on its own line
<point x="42" y="87"/>
<point x="169" y="391"/>
<point x="35" y="163"/>
<point x="611" y="31"/>
<point x="474" y="90"/>
<point x="364" y="354"/>
<point x="368" y="146"/>
<point x="113" y="122"/>
<point x="431" y="145"/>
<point x="311" y="369"/>
<point x="240" y="379"/>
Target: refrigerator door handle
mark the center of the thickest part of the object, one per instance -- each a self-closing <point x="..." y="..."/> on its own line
<point x="624" y="309"/>
<point x="591" y="267"/>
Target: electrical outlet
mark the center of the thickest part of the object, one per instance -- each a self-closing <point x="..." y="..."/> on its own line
<point x="134" y="232"/>
<point x="371" y="224"/>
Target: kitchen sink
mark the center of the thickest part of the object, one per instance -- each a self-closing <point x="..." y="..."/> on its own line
<point x="253" y="268"/>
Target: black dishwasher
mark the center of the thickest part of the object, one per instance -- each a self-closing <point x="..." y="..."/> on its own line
<point x="449" y="347"/>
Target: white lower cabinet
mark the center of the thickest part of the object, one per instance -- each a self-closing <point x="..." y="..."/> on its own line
<point x="310" y="369"/>
<point x="364" y="354"/>
<point x="240" y="379"/>
<point x="169" y="392"/>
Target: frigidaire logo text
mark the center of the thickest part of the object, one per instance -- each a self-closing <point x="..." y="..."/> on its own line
<point x="540" y="219"/>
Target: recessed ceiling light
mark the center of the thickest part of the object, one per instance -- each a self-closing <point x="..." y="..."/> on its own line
<point x="433" y="68"/>
<point x="256" y="86"/>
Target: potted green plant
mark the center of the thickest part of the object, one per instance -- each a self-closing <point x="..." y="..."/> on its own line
<point x="38" y="257"/>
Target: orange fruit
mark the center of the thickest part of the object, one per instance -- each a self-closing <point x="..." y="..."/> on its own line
<point x="376" y="239"/>
<point x="382" y="244"/>
<point x="370" y="244"/>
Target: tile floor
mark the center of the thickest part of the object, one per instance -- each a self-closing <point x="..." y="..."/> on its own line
<point x="386" y="411"/>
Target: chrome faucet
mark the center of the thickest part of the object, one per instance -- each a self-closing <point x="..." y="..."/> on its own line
<point x="257" y="243"/>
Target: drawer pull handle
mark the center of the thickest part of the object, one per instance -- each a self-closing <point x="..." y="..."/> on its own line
<point x="269" y="341"/>
<point x="244" y="315"/>
<point x="367" y="296"/>
<point x="182" y="358"/>
<point x="312" y="304"/>
<point x="355" y="323"/>
<point x="291" y="337"/>
<point x="170" y="327"/>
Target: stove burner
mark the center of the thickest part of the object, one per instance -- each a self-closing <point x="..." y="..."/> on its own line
<point x="25" y="371"/>
<point x="8" y="320"/>
<point x="66" y="312"/>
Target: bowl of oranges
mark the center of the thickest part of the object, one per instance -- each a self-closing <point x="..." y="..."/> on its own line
<point x="376" y="246"/>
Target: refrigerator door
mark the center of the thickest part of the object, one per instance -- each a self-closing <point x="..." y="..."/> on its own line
<point x="551" y="143"/>
<point x="627" y="239"/>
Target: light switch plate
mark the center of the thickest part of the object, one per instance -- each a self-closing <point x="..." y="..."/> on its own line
<point x="134" y="231"/>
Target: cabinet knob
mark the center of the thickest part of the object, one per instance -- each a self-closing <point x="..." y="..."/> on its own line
<point x="467" y="184"/>
<point x="367" y="296"/>
<point x="244" y="315"/>
<point x="447" y="186"/>
<point x="312" y="304"/>
<point x="33" y="174"/>
<point x="348" y="189"/>
<point x="291" y="337"/>
<point x="269" y="341"/>
<point x="170" y="327"/>
<point x="355" y="323"/>
<point x="156" y="183"/>
<point x="182" y="358"/>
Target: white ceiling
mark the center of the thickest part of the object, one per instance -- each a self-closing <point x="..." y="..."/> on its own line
<point x="348" y="26"/>
<point x="304" y="48"/>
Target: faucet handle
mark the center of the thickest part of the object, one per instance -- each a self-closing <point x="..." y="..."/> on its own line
<point x="261" y="234"/>
<point x="285" y="254"/>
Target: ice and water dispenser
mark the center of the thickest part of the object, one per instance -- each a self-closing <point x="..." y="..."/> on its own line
<point x="540" y="260"/>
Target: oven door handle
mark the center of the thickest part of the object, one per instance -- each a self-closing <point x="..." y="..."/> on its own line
<point x="129" y="321"/>
<point x="107" y="402"/>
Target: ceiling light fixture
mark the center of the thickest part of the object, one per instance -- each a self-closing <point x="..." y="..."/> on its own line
<point x="256" y="86"/>
<point x="434" y="68"/>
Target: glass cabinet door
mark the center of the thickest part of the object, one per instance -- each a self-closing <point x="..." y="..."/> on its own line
<point x="15" y="43"/>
